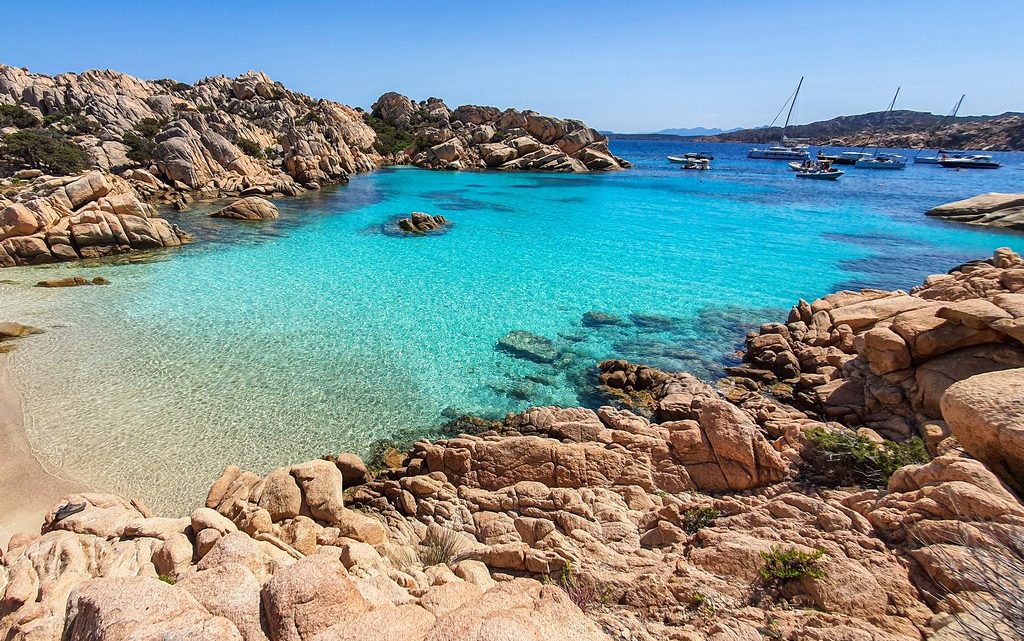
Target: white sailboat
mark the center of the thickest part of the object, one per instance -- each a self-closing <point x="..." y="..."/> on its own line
<point x="883" y="161"/>
<point x="787" y="149"/>
<point x="943" y="154"/>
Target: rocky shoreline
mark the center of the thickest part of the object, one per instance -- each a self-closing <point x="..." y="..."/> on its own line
<point x="855" y="479"/>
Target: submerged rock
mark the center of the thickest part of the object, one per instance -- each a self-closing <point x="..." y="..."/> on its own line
<point x="72" y="281"/>
<point x="523" y="344"/>
<point x="653" y="321"/>
<point x="595" y="318"/>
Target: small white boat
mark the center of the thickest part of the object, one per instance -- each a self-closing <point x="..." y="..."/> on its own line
<point x="844" y="157"/>
<point x="882" y="161"/>
<point x="816" y="170"/>
<point x="693" y="155"/>
<point x="820" y="174"/>
<point x="697" y="164"/>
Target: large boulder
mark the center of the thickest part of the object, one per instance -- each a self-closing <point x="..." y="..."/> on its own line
<point x="986" y="415"/>
<point x="248" y="208"/>
<point x="138" y="608"/>
<point x="309" y="596"/>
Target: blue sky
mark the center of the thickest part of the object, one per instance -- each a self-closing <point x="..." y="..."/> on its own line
<point x="627" y="66"/>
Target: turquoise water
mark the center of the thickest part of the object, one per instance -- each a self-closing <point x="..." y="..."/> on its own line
<point x="322" y="331"/>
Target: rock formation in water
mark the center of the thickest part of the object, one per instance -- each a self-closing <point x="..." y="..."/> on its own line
<point x="994" y="210"/>
<point x="88" y="216"/>
<point x="688" y="512"/>
<point x="421" y="223"/>
<point x="487" y="137"/>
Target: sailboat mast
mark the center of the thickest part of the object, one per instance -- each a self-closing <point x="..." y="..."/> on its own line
<point x="792" y="104"/>
<point x="942" y="140"/>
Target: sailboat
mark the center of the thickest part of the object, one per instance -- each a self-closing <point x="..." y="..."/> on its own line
<point x="883" y="161"/>
<point x="787" y="149"/>
<point x="943" y="154"/>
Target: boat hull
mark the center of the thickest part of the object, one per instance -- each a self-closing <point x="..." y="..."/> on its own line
<point x="820" y="175"/>
<point x="875" y="164"/>
<point x="969" y="164"/>
<point x="926" y="160"/>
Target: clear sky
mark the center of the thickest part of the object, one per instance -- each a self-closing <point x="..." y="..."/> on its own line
<point x="626" y="66"/>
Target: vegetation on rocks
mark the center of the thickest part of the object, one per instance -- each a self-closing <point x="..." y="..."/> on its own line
<point x="697" y="518"/>
<point x="390" y="139"/>
<point x="43" y="149"/>
<point x="250" y="147"/>
<point x="15" y="116"/>
<point x="844" y="457"/>
<point x="783" y="564"/>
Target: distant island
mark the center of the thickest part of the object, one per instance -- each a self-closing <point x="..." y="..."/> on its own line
<point x="900" y="129"/>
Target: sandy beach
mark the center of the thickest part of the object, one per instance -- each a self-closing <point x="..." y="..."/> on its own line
<point x="27" y="490"/>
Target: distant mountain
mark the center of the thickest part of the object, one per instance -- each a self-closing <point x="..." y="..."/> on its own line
<point x="697" y="131"/>
<point x="903" y="128"/>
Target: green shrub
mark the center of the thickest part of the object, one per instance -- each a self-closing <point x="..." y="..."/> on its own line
<point x="206" y="109"/>
<point x="43" y="149"/>
<point x="845" y="457"/>
<point x="786" y="564"/>
<point x="141" y="150"/>
<point x="250" y="147"/>
<point x="583" y="593"/>
<point x="309" y="117"/>
<point x="15" y="116"/>
<point x="698" y="518"/>
<point x="169" y="580"/>
<point x="79" y="124"/>
<point x="390" y="139"/>
<point x="271" y="152"/>
<point x="148" y="127"/>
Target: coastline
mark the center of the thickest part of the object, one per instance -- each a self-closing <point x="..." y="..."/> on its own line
<point x="28" y="490"/>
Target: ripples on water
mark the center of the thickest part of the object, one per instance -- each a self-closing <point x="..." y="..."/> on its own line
<point x="273" y="342"/>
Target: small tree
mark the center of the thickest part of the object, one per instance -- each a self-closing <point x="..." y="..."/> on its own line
<point x="43" y="149"/>
<point x="15" y="116"/>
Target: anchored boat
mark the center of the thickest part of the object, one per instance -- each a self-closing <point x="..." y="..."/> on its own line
<point x="816" y="170"/>
<point x="787" y="149"/>
<point x="693" y="155"/>
<point x="970" y="162"/>
<point x="883" y="161"/>
<point x="844" y="157"/>
<point x="943" y="154"/>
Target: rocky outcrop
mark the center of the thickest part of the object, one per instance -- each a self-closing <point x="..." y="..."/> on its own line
<point x="72" y="281"/>
<point x="994" y="210"/>
<point x="220" y="137"/>
<point x="472" y="137"/>
<point x="249" y="208"/>
<point x="87" y="216"/>
<point x="421" y="223"/>
<point x="883" y="360"/>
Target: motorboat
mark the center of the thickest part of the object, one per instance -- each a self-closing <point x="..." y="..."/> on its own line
<point x="787" y="149"/>
<point x="882" y="161"/>
<point x="697" y="164"/>
<point x="816" y="170"/>
<point x="693" y="155"/>
<point x="844" y="157"/>
<point x="970" y="162"/>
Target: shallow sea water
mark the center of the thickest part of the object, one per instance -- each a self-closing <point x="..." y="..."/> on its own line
<point x="268" y="343"/>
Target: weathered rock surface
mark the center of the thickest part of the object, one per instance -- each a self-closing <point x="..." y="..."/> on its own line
<point x="88" y="216"/>
<point x="995" y="210"/>
<point x="986" y="415"/>
<point x="486" y="137"/>
<point x="248" y="208"/>
<point x="201" y="130"/>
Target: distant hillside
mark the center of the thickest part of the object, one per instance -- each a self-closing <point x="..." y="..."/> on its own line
<point x="903" y="128"/>
<point x="697" y="131"/>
